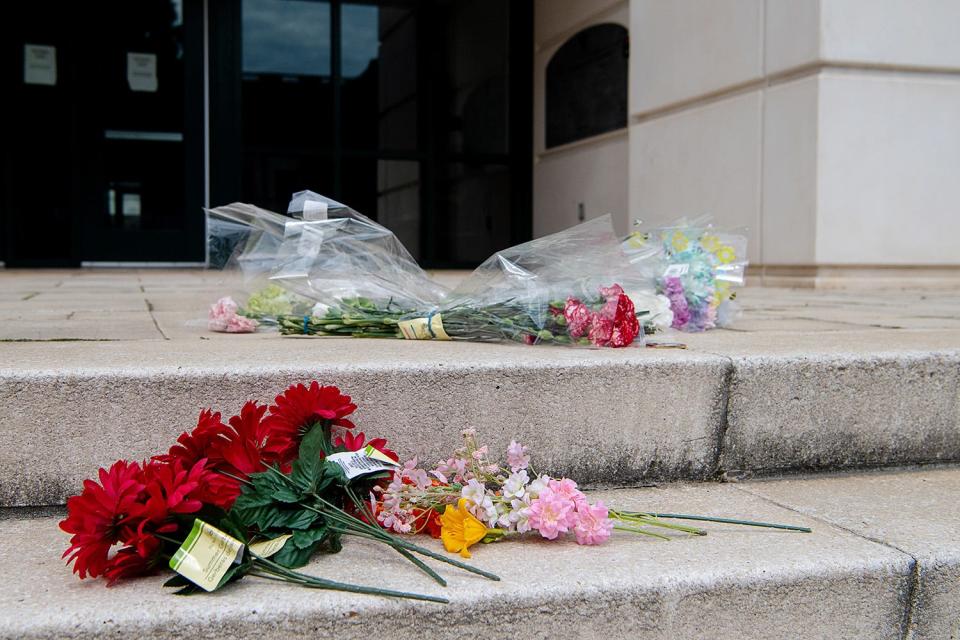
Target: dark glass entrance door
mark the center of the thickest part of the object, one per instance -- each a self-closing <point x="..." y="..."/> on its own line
<point x="416" y="113"/>
<point x="106" y="156"/>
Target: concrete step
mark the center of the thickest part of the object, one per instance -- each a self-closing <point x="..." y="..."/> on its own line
<point x="101" y="365"/>
<point x="729" y="402"/>
<point x="883" y="561"/>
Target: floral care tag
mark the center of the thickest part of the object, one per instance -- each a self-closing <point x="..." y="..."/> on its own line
<point x="266" y="548"/>
<point x="676" y="270"/>
<point x="429" y="328"/>
<point x="358" y="463"/>
<point x="206" y="555"/>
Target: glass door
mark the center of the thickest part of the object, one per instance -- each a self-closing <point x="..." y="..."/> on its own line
<point x="107" y="157"/>
<point x="415" y="113"/>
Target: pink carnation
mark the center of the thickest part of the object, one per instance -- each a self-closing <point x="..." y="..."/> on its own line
<point x="601" y="329"/>
<point x="578" y="317"/>
<point x="614" y="291"/>
<point x="223" y="317"/>
<point x="567" y="488"/>
<point x="593" y="524"/>
<point x="551" y="514"/>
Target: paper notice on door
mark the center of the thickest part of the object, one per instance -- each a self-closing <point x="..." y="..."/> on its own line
<point x="39" y="64"/>
<point x="142" y="71"/>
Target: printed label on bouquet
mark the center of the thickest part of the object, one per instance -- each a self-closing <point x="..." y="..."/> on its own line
<point x="358" y="463"/>
<point x="314" y="210"/>
<point x="205" y="555"/>
<point x="372" y="452"/>
<point x="266" y="548"/>
<point x="676" y="270"/>
<point x="424" y="328"/>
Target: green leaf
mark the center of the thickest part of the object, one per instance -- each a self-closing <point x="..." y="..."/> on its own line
<point x="334" y="543"/>
<point x="252" y="500"/>
<point x="300" y="519"/>
<point x="307" y="537"/>
<point x="177" y="581"/>
<point x="293" y="557"/>
<point x="332" y="472"/>
<point x="188" y="590"/>
<point x="307" y="467"/>
<point x="234" y="573"/>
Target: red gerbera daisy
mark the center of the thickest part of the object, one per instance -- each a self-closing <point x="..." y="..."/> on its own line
<point x="242" y="446"/>
<point x="355" y="442"/>
<point x="169" y="489"/>
<point x="298" y="408"/>
<point x="196" y="444"/>
<point x="97" y="516"/>
<point x="140" y="556"/>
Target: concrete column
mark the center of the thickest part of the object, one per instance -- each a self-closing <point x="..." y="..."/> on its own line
<point x="830" y="129"/>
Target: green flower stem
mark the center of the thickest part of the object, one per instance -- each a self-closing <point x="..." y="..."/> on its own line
<point x="644" y="532"/>
<point x="306" y="580"/>
<point x="746" y="523"/>
<point x="645" y="520"/>
<point x="387" y="537"/>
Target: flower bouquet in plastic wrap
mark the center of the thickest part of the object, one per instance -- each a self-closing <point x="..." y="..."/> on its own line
<point x="244" y="243"/>
<point x="696" y="268"/>
<point x="575" y="287"/>
<point x="567" y="288"/>
<point x="327" y="270"/>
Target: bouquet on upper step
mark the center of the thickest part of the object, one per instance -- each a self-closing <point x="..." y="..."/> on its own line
<point x="696" y="269"/>
<point x="328" y="270"/>
<point x="274" y="487"/>
<point x="574" y="287"/>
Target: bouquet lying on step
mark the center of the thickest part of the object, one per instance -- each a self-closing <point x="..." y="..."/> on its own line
<point x="467" y="499"/>
<point x="696" y="268"/>
<point x="259" y="495"/>
<point x="362" y="282"/>
<point x="272" y="487"/>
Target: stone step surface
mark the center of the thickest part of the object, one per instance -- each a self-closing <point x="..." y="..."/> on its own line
<point x="96" y="366"/>
<point x="883" y="561"/>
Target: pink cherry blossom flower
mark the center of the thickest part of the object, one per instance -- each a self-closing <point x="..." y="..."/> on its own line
<point x="517" y="456"/>
<point x="593" y="524"/>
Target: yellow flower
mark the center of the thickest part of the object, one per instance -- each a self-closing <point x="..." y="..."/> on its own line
<point x="680" y="242"/>
<point x="710" y="243"/>
<point x="723" y="290"/>
<point x="726" y="254"/>
<point x="637" y="239"/>
<point x="459" y="528"/>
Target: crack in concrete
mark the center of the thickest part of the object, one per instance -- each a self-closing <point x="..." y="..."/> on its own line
<point x="724" y="419"/>
<point x="910" y="597"/>
<point x="149" y="305"/>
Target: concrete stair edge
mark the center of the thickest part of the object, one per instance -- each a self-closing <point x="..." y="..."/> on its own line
<point x="597" y="417"/>
<point x="863" y="573"/>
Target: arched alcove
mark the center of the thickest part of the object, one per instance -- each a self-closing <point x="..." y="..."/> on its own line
<point x="586" y="92"/>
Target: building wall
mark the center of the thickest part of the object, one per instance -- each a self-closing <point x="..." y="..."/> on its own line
<point x="591" y="171"/>
<point x="828" y="128"/>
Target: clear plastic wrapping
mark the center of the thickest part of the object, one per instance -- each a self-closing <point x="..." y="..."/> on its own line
<point x="245" y="242"/>
<point x="570" y="287"/>
<point x="329" y="270"/>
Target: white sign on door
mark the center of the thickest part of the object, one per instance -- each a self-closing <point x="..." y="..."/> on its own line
<point x="142" y="71"/>
<point x="39" y="64"/>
